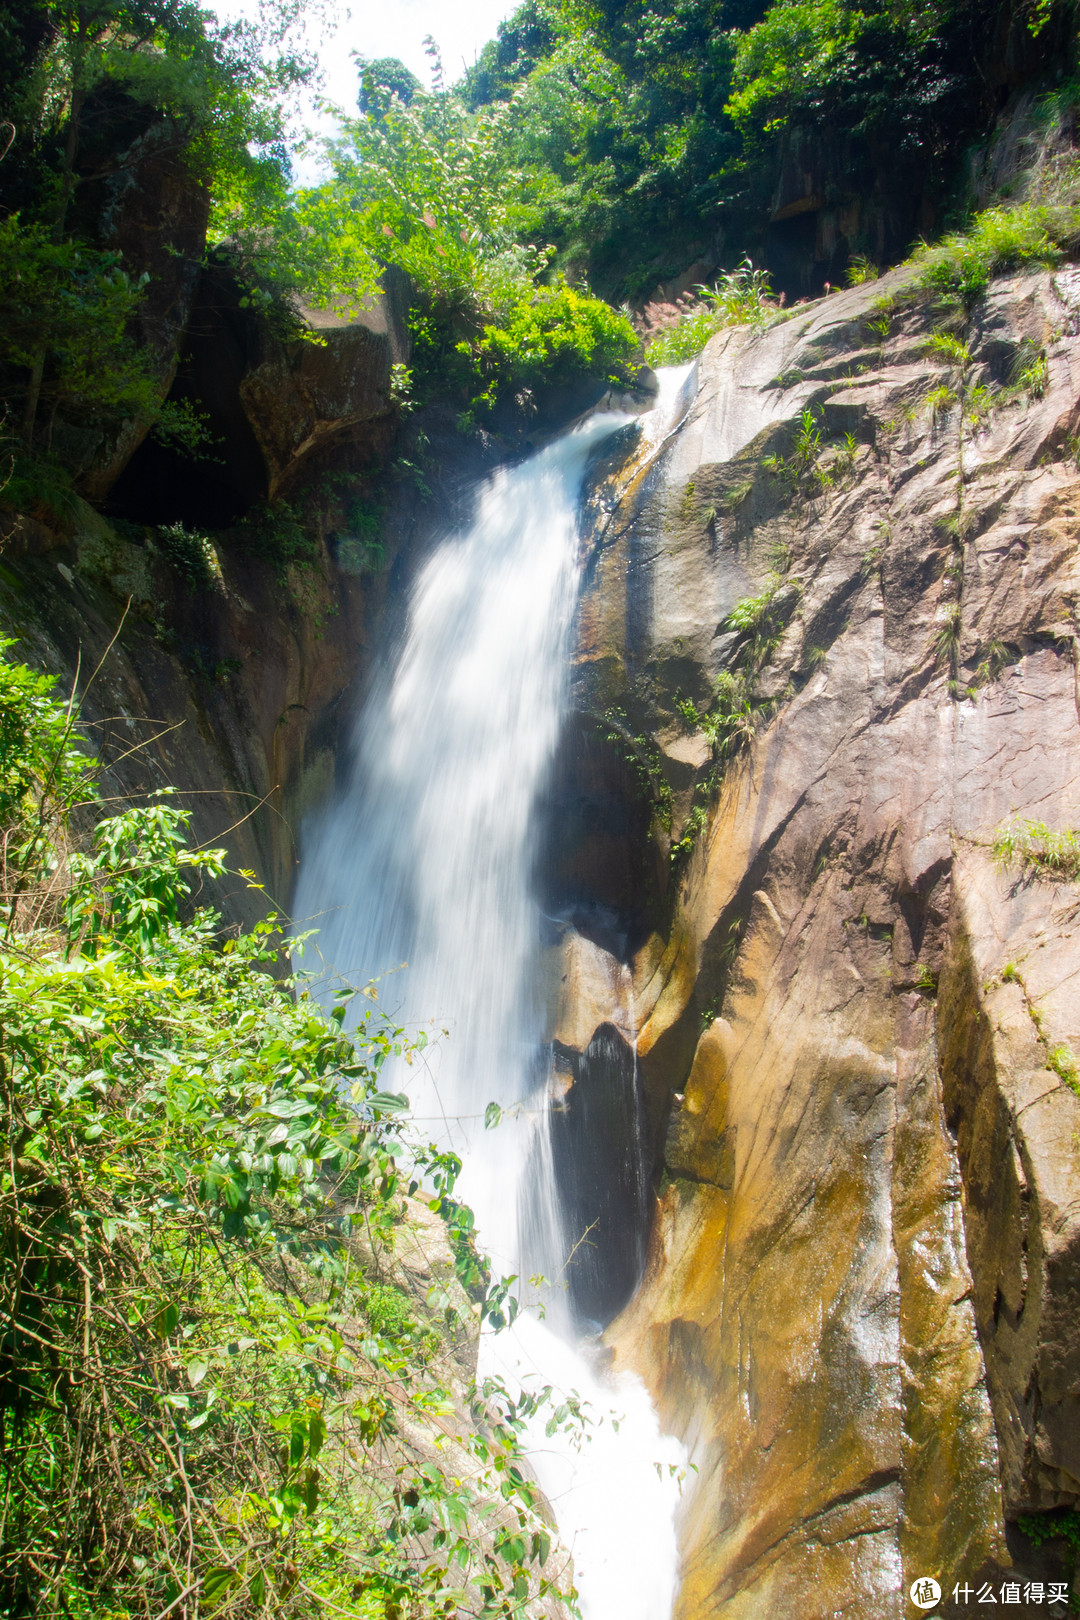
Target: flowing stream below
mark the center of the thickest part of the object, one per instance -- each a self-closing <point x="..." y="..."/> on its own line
<point x="426" y="858"/>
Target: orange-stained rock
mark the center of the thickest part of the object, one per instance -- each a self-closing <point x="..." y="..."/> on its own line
<point x="860" y="1307"/>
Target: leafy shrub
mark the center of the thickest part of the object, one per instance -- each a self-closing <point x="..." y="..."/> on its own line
<point x="556" y="336"/>
<point x="41" y="764"/>
<point x="45" y="778"/>
<point x="190" y="1416"/>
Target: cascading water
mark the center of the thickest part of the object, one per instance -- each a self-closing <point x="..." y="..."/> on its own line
<point x="426" y="860"/>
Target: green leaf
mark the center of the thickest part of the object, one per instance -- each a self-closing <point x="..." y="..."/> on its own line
<point x="217" y="1581"/>
<point x="166" y="1320"/>
<point x="316" y="1434"/>
<point x="289" y="1107"/>
<point x="389" y="1102"/>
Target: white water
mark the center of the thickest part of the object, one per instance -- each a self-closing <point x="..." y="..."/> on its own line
<point x="426" y="859"/>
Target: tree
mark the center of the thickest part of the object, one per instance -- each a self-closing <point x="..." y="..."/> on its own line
<point x="94" y="80"/>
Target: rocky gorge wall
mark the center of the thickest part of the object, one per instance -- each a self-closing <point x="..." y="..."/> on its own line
<point x="854" y="1028"/>
<point x="221" y="673"/>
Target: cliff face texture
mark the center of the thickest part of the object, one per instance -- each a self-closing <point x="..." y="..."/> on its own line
<point x="225" y="680"/>
<point x="855" y="1028"/>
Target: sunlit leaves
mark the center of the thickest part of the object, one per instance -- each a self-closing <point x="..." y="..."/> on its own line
<point x="199" y="1203"/>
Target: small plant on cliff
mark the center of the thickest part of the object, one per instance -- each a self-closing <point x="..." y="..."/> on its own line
<point x="741" y="297"/>
<point x="1059" y="1524"/>
<point x="1030" y="372"/>
<point x="761" y="620"/>
<point x="190" y="553"/>
<point x="1062" y="1060"/>
<point x="279" y="532"/>
<point x="959" y="268"/>
<point x="801" y="468"/>
<point x="641" y="753"/>
<point x="861" y="270"/>
<point x="1040" y="849"/>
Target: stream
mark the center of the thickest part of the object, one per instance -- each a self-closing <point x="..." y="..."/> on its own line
<point x="426" y="857"/>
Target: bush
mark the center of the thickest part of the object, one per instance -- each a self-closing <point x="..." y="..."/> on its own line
<point x="555" y="337"/>
<point x="192" y="1416"/>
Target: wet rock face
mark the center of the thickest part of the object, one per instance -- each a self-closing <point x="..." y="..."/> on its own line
<point x="854" y="1028"/>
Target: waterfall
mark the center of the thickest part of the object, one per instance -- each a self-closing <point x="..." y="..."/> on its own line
<point x="426" y="859"/>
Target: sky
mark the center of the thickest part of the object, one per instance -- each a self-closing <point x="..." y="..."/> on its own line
<point x="375" y="28"/>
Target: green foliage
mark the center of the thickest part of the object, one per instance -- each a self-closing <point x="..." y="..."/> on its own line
<point x="45" y="779"/>
<point x="801" y="468"/>
<point x="66" y="307"/>
<point x="1031" y="371"/>
<point x="861" y="270"/>
<point x="994" y="657"/>
<point x="761" y="621"/>
<point x="795" y="56"/>
<point x="1062" y="1061"/>
<point x="209" y="1377"/>
<point x="947" y="640"/>
<point x="423" y="184"/>
<point x="735" y="715"/>
<point x="43" y="771"/>
<point x="388" y="1311"/>
<point x="101" y="84"/>
<point x="615" y="129"/>
<point x="642" y="755"/>
<point x="1044" y="851"/>
<point x="190" y="553"/>
<point x="1060" y="1523"/>
<point x="556" y="336"/>
<point x="277" y="532"/>
<point x="742" y="297"/>
<point x="959" y="268"/>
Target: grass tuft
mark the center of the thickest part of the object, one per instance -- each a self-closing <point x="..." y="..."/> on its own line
<point x="1042" y="850"/>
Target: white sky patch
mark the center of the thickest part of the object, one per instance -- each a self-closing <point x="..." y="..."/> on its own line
<point x="383" y="28"/>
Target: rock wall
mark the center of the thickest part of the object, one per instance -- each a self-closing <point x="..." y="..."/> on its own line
<point x="231" y="688"/>
<point x="855" y="1029"/>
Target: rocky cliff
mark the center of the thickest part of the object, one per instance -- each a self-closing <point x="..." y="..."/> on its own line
<point x="217" y="664"/>
<point x="827" y="651"/>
